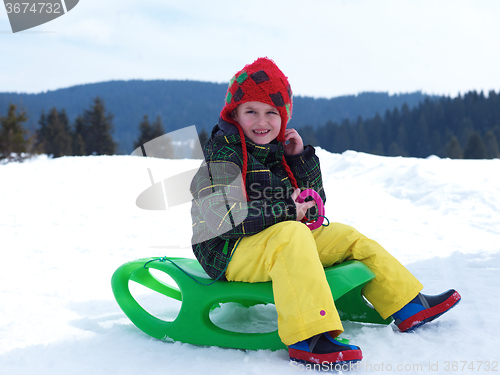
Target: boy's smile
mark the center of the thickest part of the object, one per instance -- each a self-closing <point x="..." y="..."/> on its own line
<point x="261" y="122"/>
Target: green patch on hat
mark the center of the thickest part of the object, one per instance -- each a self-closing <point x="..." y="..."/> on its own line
<point x="228" y="97"/>
<point x="288" y="112"/>
<point x="242" y="77"/>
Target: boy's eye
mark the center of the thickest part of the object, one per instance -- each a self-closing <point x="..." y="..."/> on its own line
<point x="251" y="111"/>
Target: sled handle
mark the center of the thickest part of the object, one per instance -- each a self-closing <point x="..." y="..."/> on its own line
<point x="319" y="202"/>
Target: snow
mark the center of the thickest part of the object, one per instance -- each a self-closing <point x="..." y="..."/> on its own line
<point x="66" y="224"/>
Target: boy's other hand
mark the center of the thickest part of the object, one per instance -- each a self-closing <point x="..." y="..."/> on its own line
<point x="301" y="208"/>
<point x="295" y="144"/>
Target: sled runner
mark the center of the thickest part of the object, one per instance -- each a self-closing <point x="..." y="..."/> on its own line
<point x="193" y="324"/>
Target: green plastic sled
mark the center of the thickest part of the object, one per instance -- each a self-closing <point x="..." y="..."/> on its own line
<point x="193" y="324"/>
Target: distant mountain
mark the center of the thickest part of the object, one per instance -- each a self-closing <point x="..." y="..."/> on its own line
<point x="185" y="103"/>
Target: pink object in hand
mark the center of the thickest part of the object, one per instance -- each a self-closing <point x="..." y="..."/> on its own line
<point x="319" y="202"/>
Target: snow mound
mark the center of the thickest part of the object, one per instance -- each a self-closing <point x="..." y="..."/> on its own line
<point x="66" y="224"/>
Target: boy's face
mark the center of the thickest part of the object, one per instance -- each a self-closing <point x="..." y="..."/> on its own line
<point x="261" y="122"/>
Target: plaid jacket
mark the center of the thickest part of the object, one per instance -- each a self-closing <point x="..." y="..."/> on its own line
<point x="220" y="211"/>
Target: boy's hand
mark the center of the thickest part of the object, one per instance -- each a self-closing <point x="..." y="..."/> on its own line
<point x="301" y="208"/>
<point x="295" y="145"/>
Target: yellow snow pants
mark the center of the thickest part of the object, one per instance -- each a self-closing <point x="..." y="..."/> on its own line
<point x="293" y="257"/>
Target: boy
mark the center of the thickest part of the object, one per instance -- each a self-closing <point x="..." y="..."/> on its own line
<point x="255" y="168"/>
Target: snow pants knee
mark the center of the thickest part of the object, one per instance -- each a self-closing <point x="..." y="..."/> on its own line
<point x="293" y="257"/>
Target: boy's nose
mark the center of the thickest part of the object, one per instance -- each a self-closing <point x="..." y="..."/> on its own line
<point x="261" y="120"/>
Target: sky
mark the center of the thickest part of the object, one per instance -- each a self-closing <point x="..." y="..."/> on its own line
<point x="327" y="48"/>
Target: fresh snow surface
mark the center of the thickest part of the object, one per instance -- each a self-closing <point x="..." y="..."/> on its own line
<point x="66" y="224"/>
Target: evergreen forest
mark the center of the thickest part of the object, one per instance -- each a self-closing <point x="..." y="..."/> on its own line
<point x="466" y="126"/>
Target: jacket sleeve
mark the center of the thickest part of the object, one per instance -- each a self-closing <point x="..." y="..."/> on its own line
<point x="307" y="171"/>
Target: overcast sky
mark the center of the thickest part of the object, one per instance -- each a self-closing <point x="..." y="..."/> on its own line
<point x="327" y="48"/>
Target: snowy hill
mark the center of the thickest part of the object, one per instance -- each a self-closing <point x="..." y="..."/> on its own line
<point x="66" y="225"/>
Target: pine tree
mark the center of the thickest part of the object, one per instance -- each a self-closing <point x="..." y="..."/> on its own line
<point x="404" y="131"/>
<point x="161" y="148"/>
<point x="394" y="150"/>
<point x="465" y="130"/>
<point x="453" y="149"/>
<point x="388" y="132"/>
<point x="402" y="139"/>
<point x="422" y="142"/>
<point x="41" y="133"/>
<point x="496" y="130"/>
<point x="342" y="141"/>
<point x="360" y="139"/>
<point x="54" y="135"/>
<point x="12" y="134"/>
<point x="437" y="147"/>
<point x="97" y="129"/>
<point x="203" y="137"/>
<point x="308" y="133"/>
<point x="326" y="135"/>
<point x="78" y="143"/>
<point x="374" y="131"/>
<point x="491" y="144"/>
<point x="148" y="131"/>
<point x="475" y="148"/>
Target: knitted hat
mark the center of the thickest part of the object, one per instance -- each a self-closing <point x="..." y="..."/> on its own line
<point x="260" y="81"/>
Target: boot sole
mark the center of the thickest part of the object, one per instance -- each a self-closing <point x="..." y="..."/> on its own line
<point x="346" y="356"/>
<point x="429" y="314"/>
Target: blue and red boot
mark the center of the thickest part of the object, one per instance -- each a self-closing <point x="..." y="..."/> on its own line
<point x="423" y="309"/>
<point x="323" y="348"/>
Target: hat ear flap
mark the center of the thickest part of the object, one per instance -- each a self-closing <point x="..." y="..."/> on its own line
<point x="244" y="166"/>
<point x="289" y="173"/>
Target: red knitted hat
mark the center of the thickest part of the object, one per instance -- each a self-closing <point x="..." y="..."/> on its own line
<point x="260" y="81"/>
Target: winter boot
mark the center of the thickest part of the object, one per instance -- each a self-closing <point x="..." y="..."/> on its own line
<point x="323" y="348"/>
<point x="423" y="309"/>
